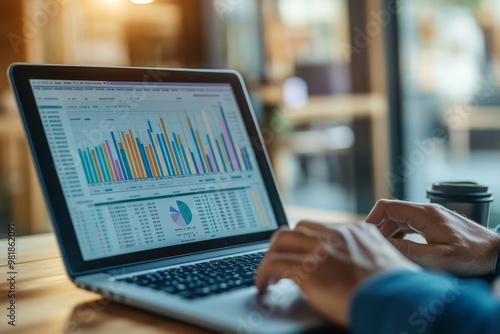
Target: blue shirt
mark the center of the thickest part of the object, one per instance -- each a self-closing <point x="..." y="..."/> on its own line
<point x="423" y="301"/>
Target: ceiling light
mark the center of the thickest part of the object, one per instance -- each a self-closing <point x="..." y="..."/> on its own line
<point x="141" y="2"/>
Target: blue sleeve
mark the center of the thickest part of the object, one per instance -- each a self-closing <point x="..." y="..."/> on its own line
<point x="407" y="302"/>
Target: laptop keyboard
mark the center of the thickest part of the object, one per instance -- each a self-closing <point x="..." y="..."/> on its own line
<point x="203" y="279"/>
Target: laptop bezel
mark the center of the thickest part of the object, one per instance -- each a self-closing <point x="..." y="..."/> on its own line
<point x="20" y="75"/>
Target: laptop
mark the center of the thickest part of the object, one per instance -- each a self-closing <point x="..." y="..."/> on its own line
<point x="160" y="191"/>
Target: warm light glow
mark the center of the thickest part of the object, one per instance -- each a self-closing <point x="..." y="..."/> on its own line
<point x="141" y="2"/>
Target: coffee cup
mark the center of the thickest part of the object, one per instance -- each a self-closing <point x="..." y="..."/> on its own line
<point x="467" y="198"/>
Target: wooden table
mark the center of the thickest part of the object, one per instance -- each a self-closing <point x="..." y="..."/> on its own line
<point x="47" y="302"/>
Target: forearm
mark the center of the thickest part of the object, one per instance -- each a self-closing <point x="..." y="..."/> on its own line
<point x="423" y="302"/>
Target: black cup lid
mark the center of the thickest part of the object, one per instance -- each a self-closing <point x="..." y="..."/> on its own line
<point x="460" y="190"/>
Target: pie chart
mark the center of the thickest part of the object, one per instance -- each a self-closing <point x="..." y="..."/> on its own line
<point x="181" y="214"/>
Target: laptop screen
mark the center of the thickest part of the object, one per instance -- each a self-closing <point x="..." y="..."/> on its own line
<point x="148" y="165"/>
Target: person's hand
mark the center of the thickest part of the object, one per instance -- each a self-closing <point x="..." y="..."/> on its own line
<point x="454" y="243"/>
<point x="328" y="263"/>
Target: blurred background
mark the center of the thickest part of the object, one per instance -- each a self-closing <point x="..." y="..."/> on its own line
<point x="357" y="100"/>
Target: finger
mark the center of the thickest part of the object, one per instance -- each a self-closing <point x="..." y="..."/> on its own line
<point x="416" y="215"/>
<point x="366" y="236"/>
<point x="274" y="268"/>
<point x="337" y="239"/>
<point x="320" y="231"/>
<point x="390" y="228"/>
<point x="275" y="234"/>
<point x="292" y="242"/>
<point x="386" y="209"/>
<point x="422" y="254"/>
<point x="311" y="226"/>
<point x="377" y="250"/>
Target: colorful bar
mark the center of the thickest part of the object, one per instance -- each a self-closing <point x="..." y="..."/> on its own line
<point x="131" y="155"/>
<point x="164" y="154"/>
<point x="96" y="165"/>
<point x="112" y="159"/>
<point x="212" y="161"/>
<point x="187" y="157"/>
<point x="128" y="153"/>
<point x="238" y="155"/>
<point x="229" y="137"/>
<point x="177" y="149"/>
<point x="120" y="158"/>
<point x="169" y="146"/>
<point x="198" y="150"/>
<point x="139" y="158"/>
<point x="151" y="160"/>
<point x="220" y="153"/>
<point x="155" y="161"/>
<point x="102" y="163"/>
<point x="205" y="160"/>
<point x="117" y="166"/>
<point x="226" y="153"/>
<point x="85" y="167"/>
<point x="212" y="153"/>
<point x="105" y="163"/>
<point x="247" y="161"/>
<point x="194" y="162"/>
<point x="144" y="159"/>
<point x="134" y="155"/>
<point x="210" y="139"/>
<point x="92" y="166"/>
<point x="126" y="162"/>
<point x="245" y="154"/>
<point x="154" y="151"/>
<point x="161" y="156"/>
<point x="208" y="159"/>
<point x="107" y="160"/>
<point x="200" y="167"/>
<point x="185" y="162"/>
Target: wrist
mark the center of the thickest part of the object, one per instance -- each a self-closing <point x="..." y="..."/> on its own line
<point x="490" y="253"/>
<point x="496" y="269"/>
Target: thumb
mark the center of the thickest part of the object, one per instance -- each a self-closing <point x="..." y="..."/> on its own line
<point x="412" y="250"/>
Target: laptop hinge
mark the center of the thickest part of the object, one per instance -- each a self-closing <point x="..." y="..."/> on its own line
<point x="186" y="258"/>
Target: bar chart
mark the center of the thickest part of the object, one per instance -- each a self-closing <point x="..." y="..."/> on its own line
<point x="167" y="145"/>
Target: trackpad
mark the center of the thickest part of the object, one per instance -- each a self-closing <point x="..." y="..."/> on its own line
<point x="285" y="299"/>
